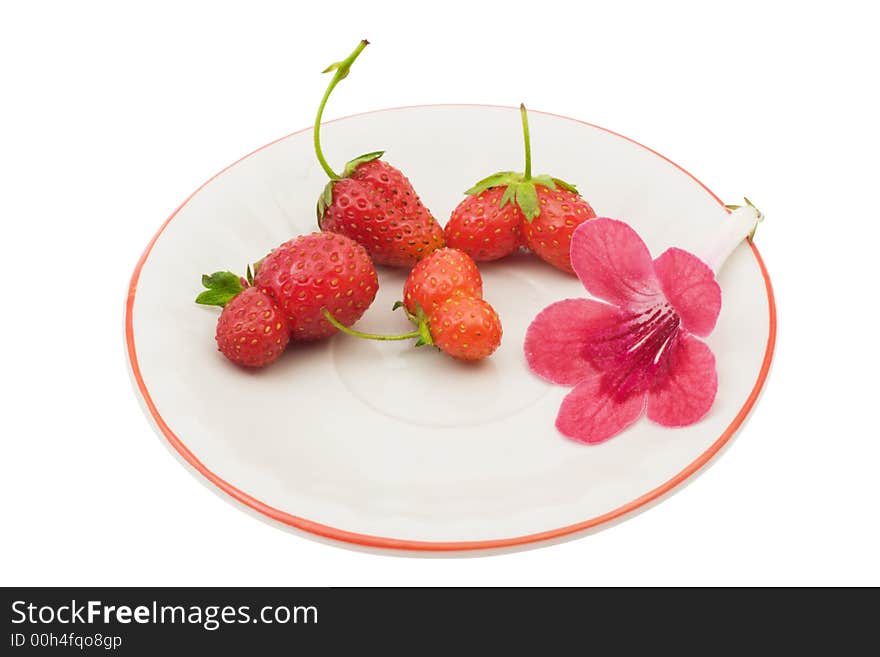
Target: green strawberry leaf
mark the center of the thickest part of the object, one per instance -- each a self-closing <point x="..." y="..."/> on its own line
<point x="343" y="67"/>
<point x="495" y="180"/>
<point x="565" y="185"/>
<point x="250" y="275"/>
<point x="222" y="286"/>
<point x="424" y="327"/>
<point x="351" y="165"/>
<point x="508" y="195"/>
<point x="424" y="334"/>
<point x="546" y="181"/>
<point x="324" y="201"/>
<point x="527" y="200"/>
<point x="520" y="191"/>
<point x="327" y="194"/>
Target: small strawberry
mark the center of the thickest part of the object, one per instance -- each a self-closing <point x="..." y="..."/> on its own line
<point x="465" y="328"/>
<point x="549" y="210"/>
<point x="372" y="202"/>
<point x="443" y="298"/>
<point x="251" y="330"/>
<point x="484" y="228"/>
<point x="316" y="271"/>
<point x="444" y="273"/>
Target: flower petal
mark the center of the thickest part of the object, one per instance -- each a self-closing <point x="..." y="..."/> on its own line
<point x="613" y="262"/>
<point x="687" y="392"/>
<point x="555" y="341"/>
<point x="590" y="414"/>
<point x="689" y="285"/>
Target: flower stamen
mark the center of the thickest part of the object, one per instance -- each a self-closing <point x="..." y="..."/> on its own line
<point x="634" y="352"/>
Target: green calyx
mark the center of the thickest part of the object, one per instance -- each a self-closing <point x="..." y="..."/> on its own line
<point x="520" y="190"/>
<point x="340" y="71"/>
<point x="326" y="197"/>
<point x="222" y="287"/>
<point x="351" y="165"/>
<point x="760" y="214"/>
<point x="420" y="319"/>
<point x="521" y="187"/>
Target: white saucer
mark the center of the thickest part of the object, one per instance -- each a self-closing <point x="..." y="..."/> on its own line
<point x="383" y="445"/>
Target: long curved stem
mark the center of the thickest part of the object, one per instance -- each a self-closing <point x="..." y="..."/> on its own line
<point x="366" y="336"/>
<point x="527" y="140"/>
<point x="340" y="71"/>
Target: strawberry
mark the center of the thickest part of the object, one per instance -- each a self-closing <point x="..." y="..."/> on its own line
<point x="372" y="202"/>
<point x="466" y="328"/>
<point x="444" y="273"/>
<point x="549" y="233"/>
<point x="315" y="271"/>
<point x="251" y="331"/>
<point x="443" y="298"/>
<point x="549" y="210"/>
<point x="463" y="327"/>
<point x="484" y="228"/>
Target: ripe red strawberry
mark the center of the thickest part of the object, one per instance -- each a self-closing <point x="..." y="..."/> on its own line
<point x="483" y="228"/>
<point x="465" y="328"/>
<point x="251" y="330"/>
<point x="317" y="271"/>
<point x="549" y="233"/>
<point x="549" y="210"/>
<point x="444" y="273"/>
<point x="443" y="298"/>
<point x="372" y="202"/>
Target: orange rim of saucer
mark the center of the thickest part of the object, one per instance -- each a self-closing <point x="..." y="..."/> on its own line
<point x="369" y="540"/>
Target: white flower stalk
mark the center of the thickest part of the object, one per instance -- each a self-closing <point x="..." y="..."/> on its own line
<point x="739" y="225"/>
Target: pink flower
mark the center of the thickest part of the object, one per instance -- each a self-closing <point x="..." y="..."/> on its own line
<point x="638" y="352"/>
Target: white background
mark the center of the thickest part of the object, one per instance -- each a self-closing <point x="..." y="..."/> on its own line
<point x="112" y="114"/>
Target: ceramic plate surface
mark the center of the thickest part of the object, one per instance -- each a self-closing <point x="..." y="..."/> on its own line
<point x="384" y="445"/>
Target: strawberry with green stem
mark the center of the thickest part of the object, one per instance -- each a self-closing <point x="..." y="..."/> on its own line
<point x="251" y="330"/>
<point x="372" y="202"/>
<point x="466" y="328"/>
<point x="509" y="208"/>
<point x="443" y="297"/>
